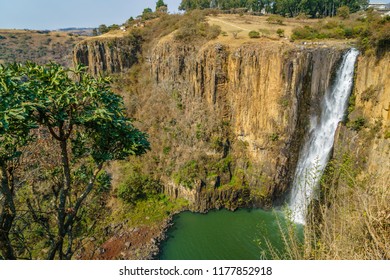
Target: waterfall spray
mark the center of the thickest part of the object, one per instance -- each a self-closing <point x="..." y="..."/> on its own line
<point x="316" y="151"/>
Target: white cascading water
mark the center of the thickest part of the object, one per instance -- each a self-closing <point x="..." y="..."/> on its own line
<point x="315" y="152"/>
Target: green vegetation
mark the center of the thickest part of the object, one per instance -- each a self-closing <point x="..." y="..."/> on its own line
<point x="280" y="32"/>
<point x="275" y="19"/>
<point x="138" y="187"/>
<point x="291" y="8"/>
<point x="60" y="118"/>
<point x="357" y="124"/>
<point x="187" y="174"/>
<point x="193" y="27"/>
<point x="160" y="4"/>
<point x="370" y="29"/>
<point x="254" y="34"/>
<point x="343" y="12"/>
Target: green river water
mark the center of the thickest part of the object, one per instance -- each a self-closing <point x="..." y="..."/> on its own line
<point x="222" y="235"/>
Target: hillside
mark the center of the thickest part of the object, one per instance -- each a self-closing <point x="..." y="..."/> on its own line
<point x="38" y="46"/>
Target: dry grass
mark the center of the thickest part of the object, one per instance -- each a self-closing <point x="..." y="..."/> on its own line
<point x="246" y="23"/>
<point x="351" y="223"/>
<point x="356" y="224"/>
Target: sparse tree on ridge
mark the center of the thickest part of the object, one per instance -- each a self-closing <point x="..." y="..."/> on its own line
<point x="159" y="4"/>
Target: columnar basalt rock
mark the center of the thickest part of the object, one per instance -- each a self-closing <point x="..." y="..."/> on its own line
<point x="265" y="91"/>
<point x="107" y="55"/>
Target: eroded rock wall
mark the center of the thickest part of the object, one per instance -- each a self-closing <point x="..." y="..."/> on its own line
<point x="107" y="55"/>
<point x="266" y="92"/>
<point x="370" y="143"/>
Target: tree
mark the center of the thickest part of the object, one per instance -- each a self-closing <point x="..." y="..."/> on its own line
<point x="103" y="29"/>
<point x="15" y="125"/>
<point x="343" y="12"/>
<point x="159" y="4"/>
<point x="88" y="127"/>
<point x="147" y="13"/>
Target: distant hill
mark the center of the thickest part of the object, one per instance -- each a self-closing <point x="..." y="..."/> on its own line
<point x="39" y="46"/>
<point x="79" y="31"/>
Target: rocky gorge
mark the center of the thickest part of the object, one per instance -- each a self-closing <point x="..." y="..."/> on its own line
<point x="227" y="121"/>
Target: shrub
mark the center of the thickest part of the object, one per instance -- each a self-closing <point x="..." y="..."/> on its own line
<point x="193" y="27"/>
<point x="343" y="12"/>
<point x="254" y="34"/>
<point x="187" y="174"/>
<point x="275" y="19"/>
<point x="213" y="32"/>
<point x="138" y="187"/>
<point x="306" y="32"/>
<point x="357" y="124"/>
<point x="280" y="32"/>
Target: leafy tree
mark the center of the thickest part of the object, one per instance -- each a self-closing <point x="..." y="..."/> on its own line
<point x="159" y="4"/>
<point x="343" y="12"/>
<point x="113" y="27"/>
<point x="15" y="124"/>
<point x="103" y="29"/>
<point x="147" y="14"/>
<point x="88" y="128"/>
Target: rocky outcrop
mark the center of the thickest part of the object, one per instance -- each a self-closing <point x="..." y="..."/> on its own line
<point x="202" y="198"/>
<point x="108" y="55"/>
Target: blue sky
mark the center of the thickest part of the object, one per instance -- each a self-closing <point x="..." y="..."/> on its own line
<point x="54" y="14"/>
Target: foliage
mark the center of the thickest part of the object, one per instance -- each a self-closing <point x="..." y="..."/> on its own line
<point x="357" y="124"/>
<point x="70" y="113"/>
<point x="290" y="8"/>
<point x="147" y="14"/>
<point x="280" y="32"/>
<point x="343" y="12"/>
<point x="194" y="27"/>
<point x="159" y="4"/>
<point x="103" y="29"/>
<point x="187" y="174"/>
<point x="275" y="19"/>
<point x="371" y="31"/>
<point x="254" y="34"/>
<point x="138" y="187"/>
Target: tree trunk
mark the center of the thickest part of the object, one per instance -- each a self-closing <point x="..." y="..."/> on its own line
<point x="63" y="197"/>
<point x="7" y="215"/>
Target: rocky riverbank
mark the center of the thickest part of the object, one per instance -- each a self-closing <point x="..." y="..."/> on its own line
<point x="135" y="243"/>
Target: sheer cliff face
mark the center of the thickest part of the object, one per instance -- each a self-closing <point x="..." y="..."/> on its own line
<point x="265" y="91"/>
<point x="371" y="144"/>
<point x="107" y="55"/>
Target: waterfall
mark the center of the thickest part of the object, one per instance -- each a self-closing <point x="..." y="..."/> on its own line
<point x="315" y="153"/>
